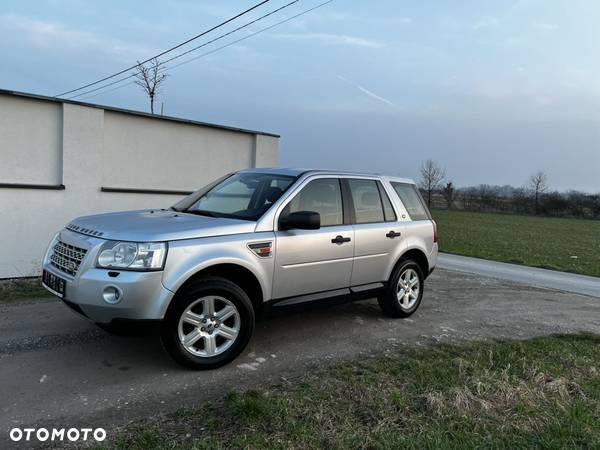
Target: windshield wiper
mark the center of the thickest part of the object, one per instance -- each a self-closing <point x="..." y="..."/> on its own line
<point x="201" y="212"/>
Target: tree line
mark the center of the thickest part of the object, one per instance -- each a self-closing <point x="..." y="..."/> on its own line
<point x="535" y="197"/>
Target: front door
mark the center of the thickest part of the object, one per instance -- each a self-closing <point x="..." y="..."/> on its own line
<point x="314" y="261"/>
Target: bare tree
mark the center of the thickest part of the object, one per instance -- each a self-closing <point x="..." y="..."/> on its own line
<point x="538" y="184"/>
<point x="449" y="192"/>
<point x="469" y="197"/>
<point x="432" y="175"/>
<point x="488" y="197"/>
<point x="150" y="78"/>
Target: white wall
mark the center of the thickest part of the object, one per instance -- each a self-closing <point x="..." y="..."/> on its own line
<point x="148" y="146"/>
<point x="84" y="148"/>
<point x="29" y="131"/>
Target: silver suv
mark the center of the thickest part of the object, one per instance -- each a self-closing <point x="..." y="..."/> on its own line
<point x="252" y="241"/>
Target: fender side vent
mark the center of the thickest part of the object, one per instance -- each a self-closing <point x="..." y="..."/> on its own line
<point x="261" y="249"/>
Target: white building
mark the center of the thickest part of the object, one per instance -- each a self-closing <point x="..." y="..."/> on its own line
<point x="60" y="159"/>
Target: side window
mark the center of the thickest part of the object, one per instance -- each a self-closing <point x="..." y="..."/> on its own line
<point x="323" y="196"/>
<point x="367" y="202"/>
<point x="388" y="210"/>
<point x="412" y="201"/>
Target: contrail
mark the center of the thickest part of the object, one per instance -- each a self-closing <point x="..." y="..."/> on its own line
<point x="368" y="92"/>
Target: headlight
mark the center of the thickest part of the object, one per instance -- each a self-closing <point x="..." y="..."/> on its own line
<point x="132" y="255"/>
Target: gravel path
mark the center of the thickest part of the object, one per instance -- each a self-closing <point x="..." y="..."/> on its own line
<point x="530" y="276"/>
<point x="56" y="369"/>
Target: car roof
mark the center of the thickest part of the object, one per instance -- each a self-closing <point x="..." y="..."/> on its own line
<point x="297" y="172"/>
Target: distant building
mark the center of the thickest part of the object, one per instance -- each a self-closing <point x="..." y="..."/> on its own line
<point x="60" y="159"/>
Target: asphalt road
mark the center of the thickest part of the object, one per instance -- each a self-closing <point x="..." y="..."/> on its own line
<point x="58" y="370"/>
<point x="530" y="276"/>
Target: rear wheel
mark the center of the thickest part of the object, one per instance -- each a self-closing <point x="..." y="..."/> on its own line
<point x="404" y="291"/>
<point x="209" y="324"/>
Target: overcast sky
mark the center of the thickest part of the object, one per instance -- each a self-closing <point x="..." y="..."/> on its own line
<point x="493" y="90"/>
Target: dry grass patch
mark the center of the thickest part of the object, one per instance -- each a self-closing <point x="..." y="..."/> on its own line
<point x="19" y="289"/>
<point x="541" y="393"/>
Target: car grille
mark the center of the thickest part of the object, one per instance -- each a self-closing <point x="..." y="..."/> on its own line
<point x="67" y="258"/>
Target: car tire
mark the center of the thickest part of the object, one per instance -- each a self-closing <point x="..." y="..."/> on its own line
<point x="200" y="337"/>
<point x="404" y="291"/>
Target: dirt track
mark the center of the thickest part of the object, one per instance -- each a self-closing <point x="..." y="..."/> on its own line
<point x="56" y="369"/>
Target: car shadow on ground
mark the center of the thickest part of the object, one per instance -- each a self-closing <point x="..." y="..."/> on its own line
<point x="271" y="330"/>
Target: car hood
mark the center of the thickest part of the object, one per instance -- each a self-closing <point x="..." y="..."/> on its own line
<point x="154" y="225"/>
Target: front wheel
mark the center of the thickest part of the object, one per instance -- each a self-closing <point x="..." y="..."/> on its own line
<point x="209" y="324"/>
<point x="404" y="291"/>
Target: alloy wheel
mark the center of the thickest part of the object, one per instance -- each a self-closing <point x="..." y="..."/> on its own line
<point x="209" y="326"/>
<point x="407" y="290"/>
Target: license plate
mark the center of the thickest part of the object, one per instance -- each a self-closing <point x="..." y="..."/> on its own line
<point x="56" y="284"/>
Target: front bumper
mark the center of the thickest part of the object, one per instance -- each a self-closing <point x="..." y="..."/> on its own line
<point x="143" y="296"/>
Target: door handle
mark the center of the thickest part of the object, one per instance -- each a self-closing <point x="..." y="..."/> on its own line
<point x="392" y="234"/>
<point x="340" y="240"/>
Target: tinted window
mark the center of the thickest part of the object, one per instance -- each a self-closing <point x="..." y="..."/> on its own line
<point x="323" y="196"/>
<point x="230" y="197"/>
<point x="388" y="210"/>
<point x="367" y="202"/>
<point x="242" y="196"/>
<point x="412" y="201"/>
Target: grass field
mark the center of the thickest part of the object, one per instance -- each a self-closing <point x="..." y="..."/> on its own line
<point x="541" y="393"/>
<point x="22" y="289"/>
<point x="571" y="245"/>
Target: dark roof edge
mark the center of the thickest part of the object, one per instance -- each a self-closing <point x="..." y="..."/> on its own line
<point x="134" y="113"/>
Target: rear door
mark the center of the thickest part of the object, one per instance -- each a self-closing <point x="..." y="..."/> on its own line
<point x="314" y="261"/>
<point x="377" y="231"/>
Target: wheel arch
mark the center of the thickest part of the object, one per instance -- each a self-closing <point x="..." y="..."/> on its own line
<point x="237" y="273"/>
<point x="418" y="256"/>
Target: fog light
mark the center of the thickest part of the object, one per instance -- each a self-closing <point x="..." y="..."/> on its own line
<point x="112" y="294"/>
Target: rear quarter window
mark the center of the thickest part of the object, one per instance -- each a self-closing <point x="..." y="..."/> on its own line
<point x="412" y="201"/>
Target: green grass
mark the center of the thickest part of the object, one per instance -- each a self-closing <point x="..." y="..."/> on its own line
<point x="571" y="245"/>
<point x="541" y="393"/>
<point x="22" y="289"/>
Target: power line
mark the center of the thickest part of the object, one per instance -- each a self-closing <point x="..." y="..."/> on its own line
<point x="232" y="31"/>
<point x="212" y="51"/>
<point x="169" y="50"/>
<point x="218" y="48"/>
<point x="191" y="50"/>
<point x="107" y="91"/>
<point x="215" y="50"/>
<point x="249" y="36"/>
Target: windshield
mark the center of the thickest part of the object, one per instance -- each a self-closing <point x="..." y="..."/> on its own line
<point x="245" y="196"/>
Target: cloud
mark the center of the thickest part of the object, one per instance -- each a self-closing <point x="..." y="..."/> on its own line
<point x="361" y="19"/>
<point x="486" y="22"/>
<point x="43" y="35"/>
<point x="369" y="93"/>
<point x="522" y="5"/>
<point x="515" y="41"/>
<point x="329" y="16"/>
<point x="392" y="20"/>
<point x="332" y="39"/>
<point x="543" y="26"/>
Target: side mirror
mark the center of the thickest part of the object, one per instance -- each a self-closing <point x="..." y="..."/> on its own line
<point x="301" y="220"/>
